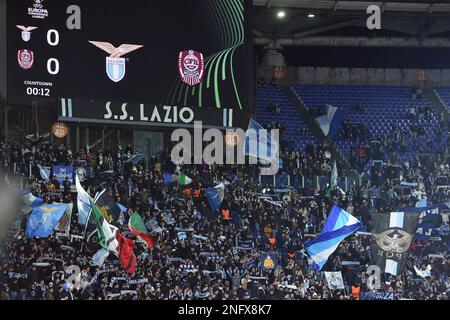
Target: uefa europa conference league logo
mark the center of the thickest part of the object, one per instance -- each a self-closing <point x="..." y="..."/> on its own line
<point x="115" y="64"/>
<point x="38" y="11"/>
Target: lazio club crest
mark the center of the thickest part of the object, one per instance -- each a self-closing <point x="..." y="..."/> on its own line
<point x="191" y="66"/>
<point x="26" y="32"/>
<point x="25" y="58"/>
<point x="115" y="68"/>
<point x="115" y="64"/>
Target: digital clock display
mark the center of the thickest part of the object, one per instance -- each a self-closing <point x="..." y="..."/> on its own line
<point x="42" y="92"/>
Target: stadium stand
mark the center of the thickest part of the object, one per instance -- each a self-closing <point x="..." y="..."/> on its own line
<point x="270" y="96"/>
<point x="102" y="212"/>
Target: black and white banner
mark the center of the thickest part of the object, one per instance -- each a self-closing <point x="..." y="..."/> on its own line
<point x="392" y="236"/>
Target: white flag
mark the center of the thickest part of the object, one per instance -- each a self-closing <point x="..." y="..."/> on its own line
<point x="334" y="280"/>
<point x="423" y="273"/>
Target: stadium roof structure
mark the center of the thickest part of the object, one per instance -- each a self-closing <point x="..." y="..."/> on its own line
<point x="405" y="23"/>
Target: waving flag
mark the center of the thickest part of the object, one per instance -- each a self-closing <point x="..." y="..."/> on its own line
<point x="259" y="143"/>
<point x="122" y="208"/>
<point x="215" y="196"/>
<point x="100" y="257"/>
<point x="110" y="212"/>
<point x="44" y="219"/>
<point x="106" y="233"/>
<point x="138" y="228"/>
<point x="184" y="180"/>
<point x="30" y="200"/>
<point x="334" y="176"/>
<point x="392" y="236"/>
<point x="112" y="240"/>
<point x="45" y="173"/>
<point x="126" y="255"/>
<point x="423" y="273"/>
<point x="429" y="220"/>
<point x="108" y="206"/>
<point x="136" y="159"/>
<point x="83" y="205"/>
<point x="339" y="225"/>
<point x="64" y="224"/>
<point x="169" y="179"/>
<point x="331" y="122"/>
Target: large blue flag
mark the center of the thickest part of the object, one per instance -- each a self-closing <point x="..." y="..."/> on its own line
<point x="215" y="196"/>
<point x="339" y="225"/>
<point x="44" y="219"/>
<point x="259" y="143"/>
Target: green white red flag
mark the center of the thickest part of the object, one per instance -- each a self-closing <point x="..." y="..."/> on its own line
<point x="138" y="228"/>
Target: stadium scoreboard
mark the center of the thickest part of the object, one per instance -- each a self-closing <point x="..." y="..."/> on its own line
<point x="195" y="53"/>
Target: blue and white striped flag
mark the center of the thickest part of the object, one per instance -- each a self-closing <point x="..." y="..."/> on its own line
<point x="30" y="200"/>
<point x="339" y="225"/>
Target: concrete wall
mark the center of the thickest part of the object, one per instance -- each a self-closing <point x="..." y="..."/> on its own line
<point x="362" y="76"/>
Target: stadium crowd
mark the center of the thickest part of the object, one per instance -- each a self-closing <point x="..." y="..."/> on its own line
<point x="220" y="256"/>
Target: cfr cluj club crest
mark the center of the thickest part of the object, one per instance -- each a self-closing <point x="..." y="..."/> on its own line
<point x="115" y="64"/>
<point x="26" y="32"/>
<point x="191" y="66"/>
<point x="25" y="58"/>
